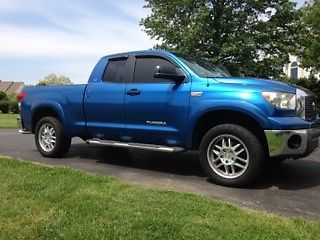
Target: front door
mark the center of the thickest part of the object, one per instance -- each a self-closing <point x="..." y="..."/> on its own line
<point x="156" y="108"/>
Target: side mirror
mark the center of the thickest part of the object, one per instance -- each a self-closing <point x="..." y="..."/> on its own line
<point x="169" y="72"/>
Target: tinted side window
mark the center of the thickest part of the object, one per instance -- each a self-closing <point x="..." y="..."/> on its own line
<point x="145" y="69"/>
<point x="115" y="71"/>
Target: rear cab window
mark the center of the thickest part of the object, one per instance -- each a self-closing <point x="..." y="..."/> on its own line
<point x="115" y="71"/>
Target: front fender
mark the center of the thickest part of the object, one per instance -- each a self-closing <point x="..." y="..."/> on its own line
<point x="204" y="107"/>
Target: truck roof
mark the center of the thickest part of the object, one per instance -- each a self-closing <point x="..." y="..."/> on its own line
<point x="150" y="51"/>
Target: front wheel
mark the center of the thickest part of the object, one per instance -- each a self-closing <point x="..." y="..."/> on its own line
<point x="278" y="160"/>
<point x="50" y="138"/>
<point x="231" y="155"/>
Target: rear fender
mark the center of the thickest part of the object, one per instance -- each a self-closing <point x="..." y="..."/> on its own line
<point x="55" y="106"/>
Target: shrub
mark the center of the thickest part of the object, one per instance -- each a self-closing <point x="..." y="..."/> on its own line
<point x="4" y="106"/>
<point x="13" y="107"/>
<point x="3" y="96"/>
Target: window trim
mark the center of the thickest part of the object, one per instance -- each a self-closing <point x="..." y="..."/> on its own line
<point x="118" y="58"/>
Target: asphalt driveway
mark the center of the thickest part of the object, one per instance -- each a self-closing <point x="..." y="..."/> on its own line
<point x="291" y="188"/>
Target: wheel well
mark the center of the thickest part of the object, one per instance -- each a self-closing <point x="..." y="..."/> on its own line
<point x="41" y="113"/>
<point x="215" y="118"/>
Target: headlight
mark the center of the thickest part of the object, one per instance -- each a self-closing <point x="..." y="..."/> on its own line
<point x="281" y="100"/>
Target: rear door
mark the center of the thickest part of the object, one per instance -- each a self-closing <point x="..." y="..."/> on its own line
<point x="156" y="108"/>
<point x="105" y="101"/>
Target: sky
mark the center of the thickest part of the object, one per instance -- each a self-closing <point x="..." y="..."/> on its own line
<point x="38" y="37"/>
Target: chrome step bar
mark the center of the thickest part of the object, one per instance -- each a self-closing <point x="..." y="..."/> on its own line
<point x="24" y="131"/>
<point x="160" y="148"/>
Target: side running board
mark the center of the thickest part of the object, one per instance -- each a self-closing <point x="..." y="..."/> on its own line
<point x="160" y="148"/>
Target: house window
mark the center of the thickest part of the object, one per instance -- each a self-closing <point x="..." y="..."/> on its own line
<point x="294" y="70"/>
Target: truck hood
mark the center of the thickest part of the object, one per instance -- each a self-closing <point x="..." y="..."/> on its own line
<point x="264" y="84"/>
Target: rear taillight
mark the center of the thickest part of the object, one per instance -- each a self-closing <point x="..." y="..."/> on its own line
<point x="21" y="96"/>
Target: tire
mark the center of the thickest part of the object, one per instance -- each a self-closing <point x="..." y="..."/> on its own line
<point x="51" y="129"/>
<point x="225" y="165"/>
<point x="277" y="160"/>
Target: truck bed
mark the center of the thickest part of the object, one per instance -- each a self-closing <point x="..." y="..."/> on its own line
<point x="67" y="100"/>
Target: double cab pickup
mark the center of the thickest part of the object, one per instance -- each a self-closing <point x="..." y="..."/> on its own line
<point x="163" y="101"/>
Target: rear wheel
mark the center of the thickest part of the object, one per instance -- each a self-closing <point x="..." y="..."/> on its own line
<point x="50" y="138"/>
<point x="231" y="155"/>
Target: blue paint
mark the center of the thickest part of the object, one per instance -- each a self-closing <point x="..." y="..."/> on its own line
<point x="104" y="110"/>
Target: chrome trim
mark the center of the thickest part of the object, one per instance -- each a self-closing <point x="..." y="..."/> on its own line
<point x="22" y="130"/>
<point x="47" y="137"/>
<point x="301" y="95"/>
<point x="277" y="141"/>
<point x="303" y="99"/>
<point x="143" y="146"/>
<point x="228" y="156"/>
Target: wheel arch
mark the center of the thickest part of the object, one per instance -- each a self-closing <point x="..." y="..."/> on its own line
<point x="46" y="110"/>
<point x="214" y="118"/>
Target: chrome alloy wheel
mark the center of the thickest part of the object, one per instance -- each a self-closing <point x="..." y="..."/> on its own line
<point x="228" y="156"/>
<point x="47" y="137"/>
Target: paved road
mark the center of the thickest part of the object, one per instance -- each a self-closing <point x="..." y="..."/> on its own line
<point x="291" y="188"/>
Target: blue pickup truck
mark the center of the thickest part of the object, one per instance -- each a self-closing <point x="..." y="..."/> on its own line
<point x="163" y="101"/>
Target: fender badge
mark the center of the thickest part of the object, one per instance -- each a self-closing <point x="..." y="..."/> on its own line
<point x="161" y="123"/>
<point x="196" y="94"/>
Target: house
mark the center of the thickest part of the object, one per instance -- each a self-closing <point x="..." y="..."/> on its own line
<point x="293" y="70"/>
<point x="11" y="87"/>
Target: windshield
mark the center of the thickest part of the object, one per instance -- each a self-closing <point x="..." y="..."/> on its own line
<point x="202" y="68"/>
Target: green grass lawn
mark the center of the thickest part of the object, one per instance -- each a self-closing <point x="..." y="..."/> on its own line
<point x="8" y="120"/>
<point x="40" y="202"/>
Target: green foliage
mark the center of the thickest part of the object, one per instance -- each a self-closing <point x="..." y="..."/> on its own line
<point x="3" y="96"/>
<point x="13" y="97"/>
<point x="310" y="36"/>
<point x="39" y="202"/>
<point x="251" y="38"/>
<point x="53" y="79"/>
<point x="13" y="107"/>
<point x="4" y="106"/>
<point x="9" y="106"/>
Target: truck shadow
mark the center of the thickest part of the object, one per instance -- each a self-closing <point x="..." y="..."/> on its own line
<point x="185" y="164"/>
<point x="289" y="175"/>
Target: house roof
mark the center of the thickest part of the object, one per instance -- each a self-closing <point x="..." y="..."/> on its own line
<point x="11" y="87"/>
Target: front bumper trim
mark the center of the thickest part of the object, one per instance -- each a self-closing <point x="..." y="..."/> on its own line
<point x="278" y="142"/>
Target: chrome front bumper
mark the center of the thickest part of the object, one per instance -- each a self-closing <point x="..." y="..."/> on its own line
<point x="292" y="143"/>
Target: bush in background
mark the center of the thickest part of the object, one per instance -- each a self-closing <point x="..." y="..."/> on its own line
<point x="9" y="107"/>
<point x="13" y="107"/>
<point x="4" y="106"/>
<point x="3" y="96"/>
<point x="52" y="80"/>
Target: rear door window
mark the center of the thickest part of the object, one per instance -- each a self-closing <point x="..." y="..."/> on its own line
<point x="115" y="71"/>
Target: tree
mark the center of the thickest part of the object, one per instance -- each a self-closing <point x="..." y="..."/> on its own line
<point x="310" y="36"/>
<point x="53" y="79"/>
<point x="249" y="37"/>
<point x="3" y="96"/>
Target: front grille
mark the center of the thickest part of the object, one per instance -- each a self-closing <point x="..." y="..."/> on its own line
<point x="310" y="108"/>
